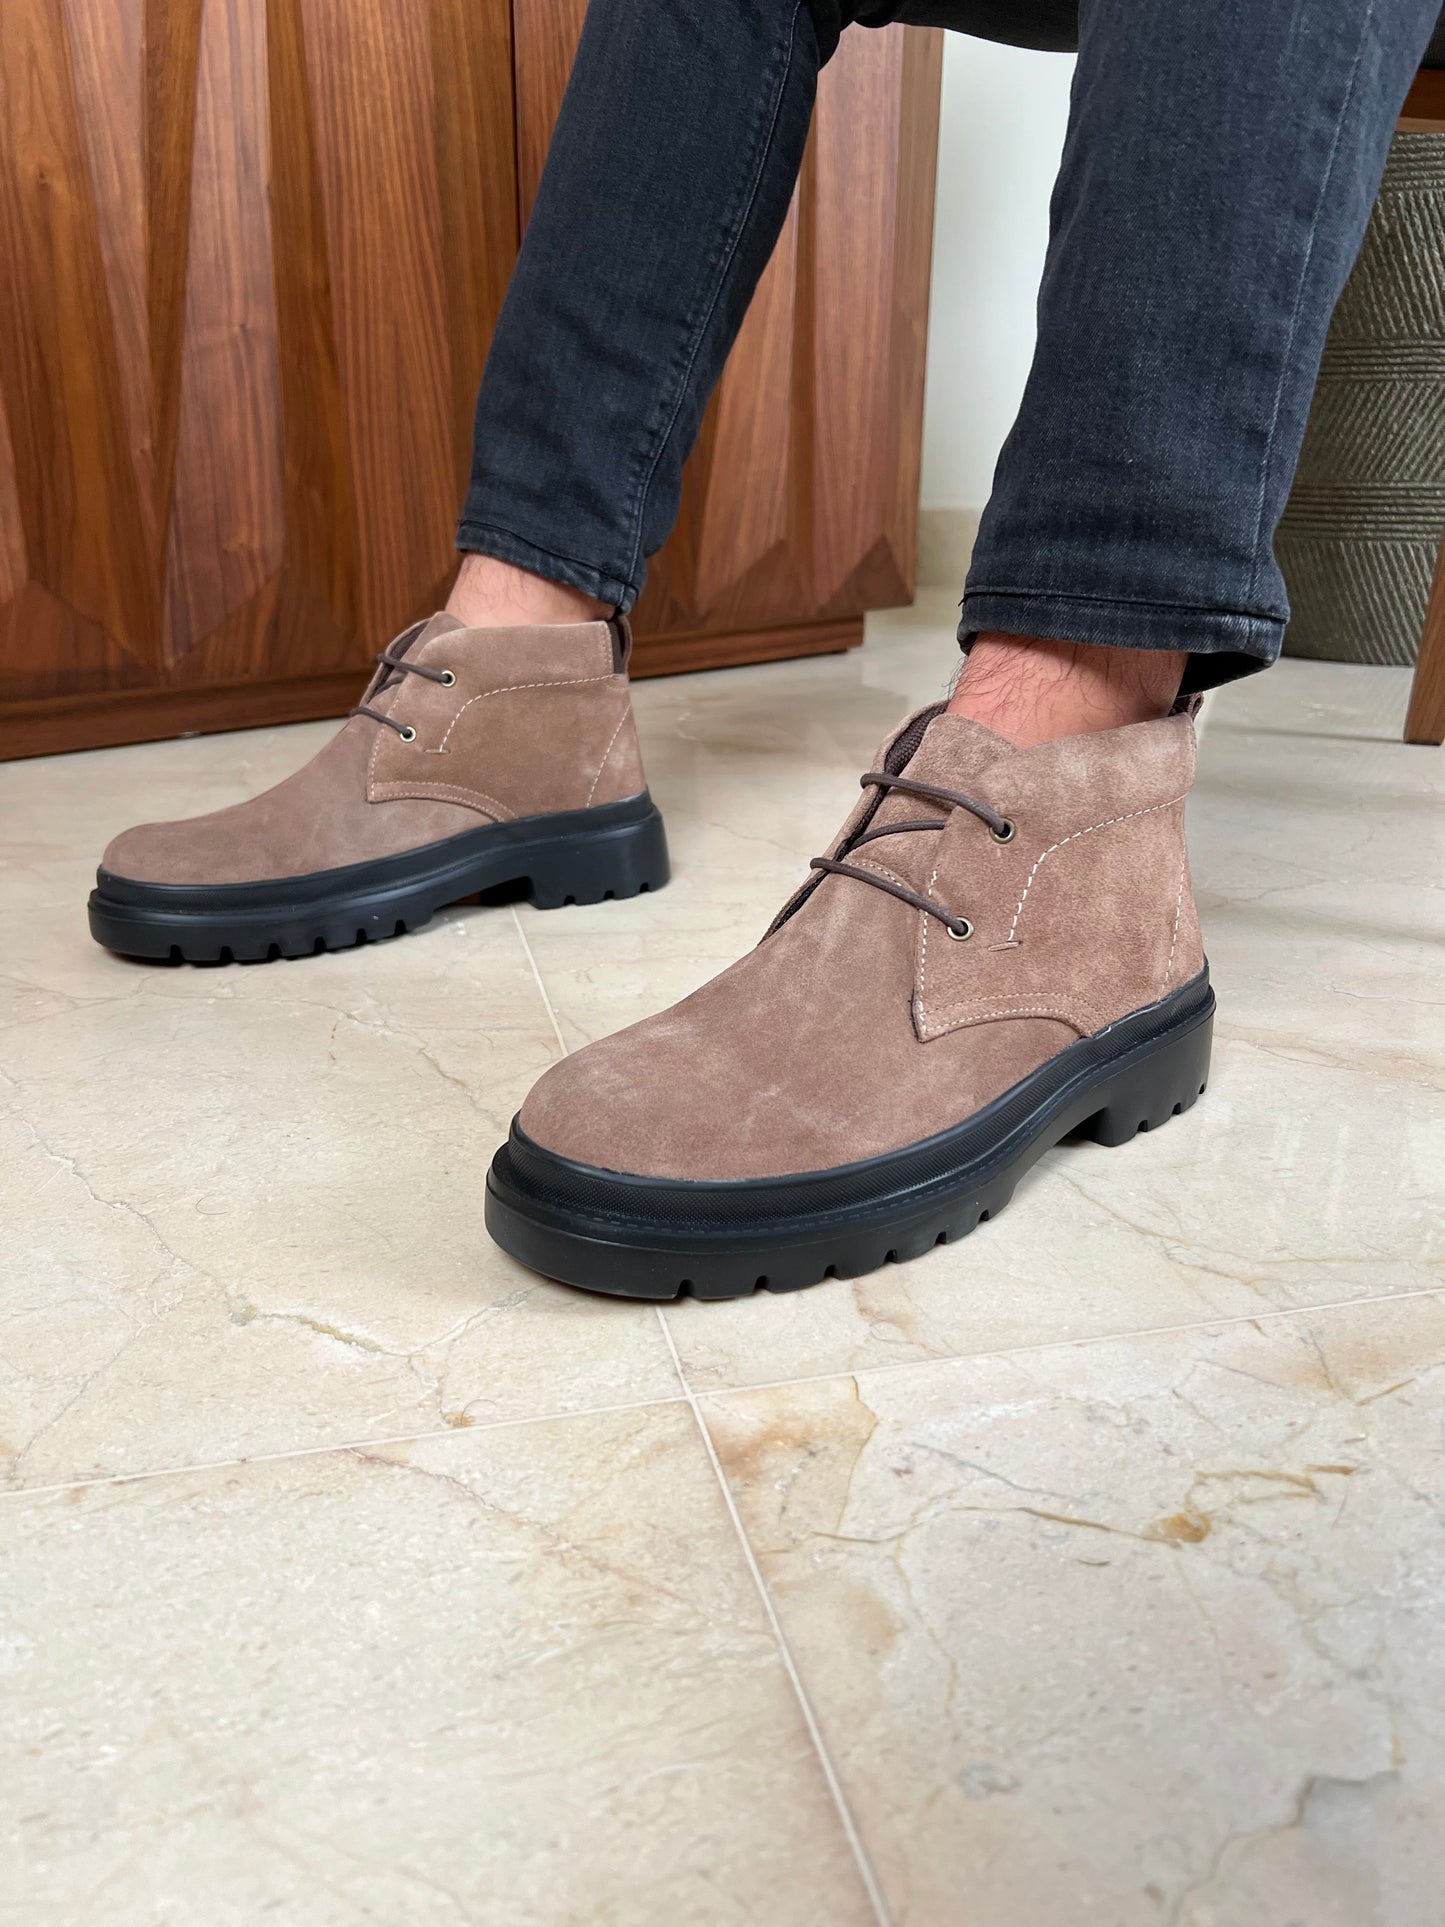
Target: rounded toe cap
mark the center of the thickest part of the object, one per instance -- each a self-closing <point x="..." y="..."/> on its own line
<point x="600" y="1106"/>
<point x="226" y="847"/>
<point x="675" y="1097"/>
<point x="151" y="853"/>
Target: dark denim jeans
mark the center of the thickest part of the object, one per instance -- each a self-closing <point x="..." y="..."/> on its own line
<point x="1221" y="161"/>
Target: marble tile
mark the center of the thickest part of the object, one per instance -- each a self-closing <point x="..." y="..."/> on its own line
<point x="246" y="1203"/>
<point x="1318" y="843"/>
<point x="1147" y="1630"/>
<point x="519" y="1677"/>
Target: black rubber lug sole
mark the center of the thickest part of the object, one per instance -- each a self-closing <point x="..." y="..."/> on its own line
<point x="617" y="1253"/>
<point x="574" y="857"/>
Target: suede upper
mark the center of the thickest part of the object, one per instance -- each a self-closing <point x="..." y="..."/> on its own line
<point x="537" y="720"/>
<point x="858" y="1026"/>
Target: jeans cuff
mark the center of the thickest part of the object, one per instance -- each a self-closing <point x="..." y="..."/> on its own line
<point x="1222" y="645"/>
<point x="485" y="538"/>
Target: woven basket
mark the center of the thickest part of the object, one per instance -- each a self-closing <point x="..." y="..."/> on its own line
<point x="1358" y="540"/>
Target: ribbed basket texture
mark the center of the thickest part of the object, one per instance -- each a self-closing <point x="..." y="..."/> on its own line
<point x="1359" y="537"/>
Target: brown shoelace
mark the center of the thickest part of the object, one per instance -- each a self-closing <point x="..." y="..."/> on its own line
<point x="956" y="925"/>
<point x="387" y="660"/>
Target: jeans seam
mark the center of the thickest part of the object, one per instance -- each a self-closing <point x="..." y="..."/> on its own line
<point x="700" y="330"/>
<point x="1267" y="466"/>
<point x="1124" y="602"/>
<point x="468" y="526"/>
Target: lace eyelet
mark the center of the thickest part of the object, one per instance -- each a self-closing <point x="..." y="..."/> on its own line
<point x="1006" y="834"/>
<point x="963" y="932"/>
<point x="408" y="735"/>
<point x="448" y="678"/>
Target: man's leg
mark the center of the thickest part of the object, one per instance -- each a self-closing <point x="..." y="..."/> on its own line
<point x="1220" y="166"/>
<point x="669" y="174"/>
<point x="1001" y="946"/>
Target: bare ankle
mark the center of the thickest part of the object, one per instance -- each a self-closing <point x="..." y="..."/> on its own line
<point x="1031" y="689"/>
<point x="489" y="594"/>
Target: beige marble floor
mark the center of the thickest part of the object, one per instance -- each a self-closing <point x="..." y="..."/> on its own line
<point x="1085" y="1574"/>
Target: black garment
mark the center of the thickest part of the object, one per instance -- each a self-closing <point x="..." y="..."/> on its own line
<point x="1052" y="25"/>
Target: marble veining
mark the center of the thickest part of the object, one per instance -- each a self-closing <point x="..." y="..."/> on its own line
<point x="1132" y="1632"/>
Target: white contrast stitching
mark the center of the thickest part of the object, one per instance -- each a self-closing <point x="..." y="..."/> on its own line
<point x="1107" y="822"/>
<point x="923" y="948"/>
<point x="1055" y="1011"/>
<point x="1178" y="911"/>
<point x="445" y="792"/>
<point x="371" y="760"/>
<point x="881" y="869"/>
<point x="1020" y="1010"/>
<point x="509" y="689"/>
<point x="937" y="1023"/>
<point x="606" y="753"/>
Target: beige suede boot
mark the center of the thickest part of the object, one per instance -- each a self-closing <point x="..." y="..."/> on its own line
<point x="1000" y="949"/>
<point x="477" y="757"/>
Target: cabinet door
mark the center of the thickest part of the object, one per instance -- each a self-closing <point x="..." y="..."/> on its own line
<point x="800" y="502"/>
<point x="251" y="252"/>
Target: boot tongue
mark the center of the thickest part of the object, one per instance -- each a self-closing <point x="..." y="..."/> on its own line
<point x="957" y="753"/>
<point x="950" y="752"/>
<point x="441" y="624"/>
<point x="387" y="681"/>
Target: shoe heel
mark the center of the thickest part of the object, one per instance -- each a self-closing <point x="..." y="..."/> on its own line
<point x="589" y="868"/>
<point x="1159" y="1085"/>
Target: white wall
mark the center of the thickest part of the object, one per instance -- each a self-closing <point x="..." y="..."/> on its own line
<point x="1004" y="111"/>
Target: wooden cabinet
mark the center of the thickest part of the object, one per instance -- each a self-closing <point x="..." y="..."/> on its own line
<point x="250" y="256"/>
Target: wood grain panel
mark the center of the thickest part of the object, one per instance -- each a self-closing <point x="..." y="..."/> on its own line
<point x="171" y="54"/>
<point x="226" y="526"/>
<point x="320" y="584"/>
<point x="852" y="213"/>
<point x="1424" y="109"/>
<point x="740" y="527"/>
<point x="102" y="720"/>
<point x="544" y="39"/>
<point x="251" y="255"/>
<point x="12" y="528"/>
<point x="472" y="88"/>
<point x="107" y="41"/>
<point x="920" y="86"/>
<point x="370" y="72"/>
<point x="1425" y="719"/>
<point x="63" y="655"/>
<point x="59" y="379"/>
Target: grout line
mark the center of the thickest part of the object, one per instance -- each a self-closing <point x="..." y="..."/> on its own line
<point x="688" y="1395"/>
<point x="341" y="1445"/>
<point x="860" y="1857"/>
<point x="1065" y="1344"/>
<point x="556" y="1027"/>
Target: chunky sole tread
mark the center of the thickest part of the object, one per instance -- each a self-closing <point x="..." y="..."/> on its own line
<point x="574" y="857"/>
<point x="591" y="1227"/>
